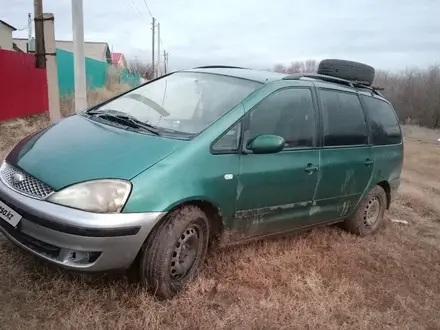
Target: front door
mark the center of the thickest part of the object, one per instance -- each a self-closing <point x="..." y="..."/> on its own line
<point x="275" y="191"/>
<point x="346" y="157"/>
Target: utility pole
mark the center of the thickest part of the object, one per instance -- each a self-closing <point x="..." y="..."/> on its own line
<point x="164" y="61"/>
<point x="79" y="64"/>
<point x="29" y="30"/>
<point x="152" y="54"/>
<point x="40" y="61"/>
<point x="51" y="68"/>
<point x="158" y="49"/>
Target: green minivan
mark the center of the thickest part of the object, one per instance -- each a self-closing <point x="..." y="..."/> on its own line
<point x="150" y="179"/>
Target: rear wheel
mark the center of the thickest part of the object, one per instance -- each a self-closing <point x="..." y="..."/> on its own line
<point x="369" y="215"/>
<point x="175" y="252"/>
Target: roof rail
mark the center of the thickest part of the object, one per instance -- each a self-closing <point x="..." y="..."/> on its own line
<point x="374" y="89"/>
<point x="219" y="67"/>
<point x="298" y="76"/>
<point x="349" y="83"/>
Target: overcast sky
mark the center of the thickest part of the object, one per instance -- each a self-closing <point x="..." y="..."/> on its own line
<point x="387" y="34"/>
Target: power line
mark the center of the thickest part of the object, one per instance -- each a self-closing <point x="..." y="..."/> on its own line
<point x="151" y="15"/>
<point x="136" y="8"/>
<point x="25" y="28"/>
<point x="148" y="8"/>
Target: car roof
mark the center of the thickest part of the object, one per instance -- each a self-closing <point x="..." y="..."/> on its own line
<point x="265" y="76"/>
<point x="249" y="74"/>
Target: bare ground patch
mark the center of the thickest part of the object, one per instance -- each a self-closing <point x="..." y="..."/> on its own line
<point x="322" y="279"/>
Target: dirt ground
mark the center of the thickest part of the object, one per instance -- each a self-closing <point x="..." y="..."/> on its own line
<point x="323" y="279"/>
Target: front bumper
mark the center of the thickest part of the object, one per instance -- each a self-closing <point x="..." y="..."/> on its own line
<point x="76" y="239"/>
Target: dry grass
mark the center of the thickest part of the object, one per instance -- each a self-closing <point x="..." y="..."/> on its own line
<point x="415" y="132"/>
<point x="94" y="97"/>
<point x="324" y="279"/>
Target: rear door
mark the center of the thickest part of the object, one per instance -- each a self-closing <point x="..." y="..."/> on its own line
<point x="386" y="139"/>
<point x="345" y="158"/>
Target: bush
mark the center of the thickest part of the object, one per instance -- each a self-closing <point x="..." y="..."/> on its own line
<point x="414" y="93"/>
<point x="309" y="66"/>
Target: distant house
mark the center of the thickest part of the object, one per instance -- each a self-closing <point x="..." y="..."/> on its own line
<point x="118" y="60"/>
<point x="6" y="35"/>
<point x="23" y="45"/>
<point x="95" y="50"/>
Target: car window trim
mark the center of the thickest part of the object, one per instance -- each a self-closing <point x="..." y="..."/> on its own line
<point x="321" y="112"/>
<point x="353" y="146"/>
<point x="213" y="151"/>
<point x="246" y="117"/>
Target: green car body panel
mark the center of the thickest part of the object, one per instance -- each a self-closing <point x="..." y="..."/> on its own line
<point x="86" y="150"/>
<point x="254" y="194"/>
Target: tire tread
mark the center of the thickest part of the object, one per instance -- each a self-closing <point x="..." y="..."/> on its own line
<point x="349" y="70"/>
<point x="156" y="254"/>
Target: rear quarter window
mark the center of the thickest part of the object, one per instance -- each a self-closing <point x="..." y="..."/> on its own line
<point x="384" y="125"/>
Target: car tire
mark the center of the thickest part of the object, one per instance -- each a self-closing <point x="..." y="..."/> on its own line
<point x="349" y="70"/>
<point x="369" y="214"/>
<point x="175" y="252"/>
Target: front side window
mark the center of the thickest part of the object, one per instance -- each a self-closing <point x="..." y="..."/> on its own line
<point x="383" y="122"/>
<point x="183" y="102"/>
<point x="288" y="113"/>
<point x="343" y="119"/>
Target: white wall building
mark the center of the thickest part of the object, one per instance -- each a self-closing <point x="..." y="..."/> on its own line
<point x="6" y="36"/>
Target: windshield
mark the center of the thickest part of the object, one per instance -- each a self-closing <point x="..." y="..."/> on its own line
<point x="182" y="103"/>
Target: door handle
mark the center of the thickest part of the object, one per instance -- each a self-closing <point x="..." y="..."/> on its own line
<point x="310" y="168"/>
<point x="368" y="162"/>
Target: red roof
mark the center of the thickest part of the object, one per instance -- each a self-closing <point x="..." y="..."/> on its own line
<point x="116" y="57"/>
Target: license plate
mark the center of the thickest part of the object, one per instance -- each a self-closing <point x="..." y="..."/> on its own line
<point x="9" y="215"/>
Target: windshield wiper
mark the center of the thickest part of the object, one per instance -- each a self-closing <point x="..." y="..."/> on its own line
<point x="125" y="118"/>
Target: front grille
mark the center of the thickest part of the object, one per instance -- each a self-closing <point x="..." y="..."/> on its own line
<point x="34" y="244"/>
<point x="23" y="182"/>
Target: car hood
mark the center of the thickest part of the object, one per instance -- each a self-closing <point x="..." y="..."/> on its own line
<point x="78" y="149"/>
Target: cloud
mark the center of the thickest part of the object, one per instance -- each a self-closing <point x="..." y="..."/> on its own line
<point x="254" y="33"/>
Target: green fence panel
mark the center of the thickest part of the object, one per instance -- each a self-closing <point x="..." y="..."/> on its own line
<point x="132" y="79"/>
<point x="65" y="72"/>
<point x="96" y="73"/>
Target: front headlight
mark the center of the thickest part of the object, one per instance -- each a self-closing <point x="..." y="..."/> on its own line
<point x="100" y="196"/>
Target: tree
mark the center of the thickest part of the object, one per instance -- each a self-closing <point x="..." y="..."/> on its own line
<point x="309" y="66"/>
<point x="145" y="70"/>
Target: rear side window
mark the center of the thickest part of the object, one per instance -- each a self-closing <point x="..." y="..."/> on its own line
<point x="343" y="119"/>
<point x="288" y="113"/>
<point x="384" y="125"/>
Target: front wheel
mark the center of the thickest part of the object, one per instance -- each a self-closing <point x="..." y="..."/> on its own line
<point x="174" y="253"/>
<point x="369" y="214"/>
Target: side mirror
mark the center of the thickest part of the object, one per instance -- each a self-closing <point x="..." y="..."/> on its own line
<point x="266" y="144"/>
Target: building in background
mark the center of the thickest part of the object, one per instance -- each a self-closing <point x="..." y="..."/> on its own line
<point x="100" y="69"/>
<point x="6" y="41"/>
<point x="99" y="51"/>
<point x="118" y="60"/>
